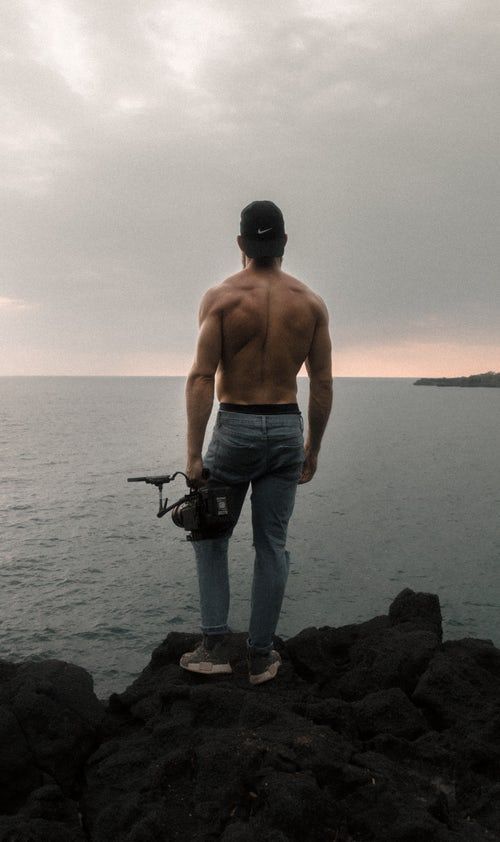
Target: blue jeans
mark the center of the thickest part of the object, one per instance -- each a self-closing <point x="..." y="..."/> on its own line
<point x="268" y="452"/>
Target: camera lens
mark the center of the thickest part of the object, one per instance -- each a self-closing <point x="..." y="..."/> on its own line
<point x="177" y="515"/>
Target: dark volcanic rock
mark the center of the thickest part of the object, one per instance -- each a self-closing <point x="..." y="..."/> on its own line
<point x="422" y="610"/>
<point x="50" y="723"/>
<point x="374" y="731"/>
<point x="56" y="708"/>
<point x="388" y="712"/>
<point x="18" y="773"/>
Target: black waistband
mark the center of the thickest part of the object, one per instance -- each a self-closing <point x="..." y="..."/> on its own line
<point x="262" y="408"/>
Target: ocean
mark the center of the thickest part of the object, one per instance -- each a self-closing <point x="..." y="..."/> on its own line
<point x="407" y="494"/>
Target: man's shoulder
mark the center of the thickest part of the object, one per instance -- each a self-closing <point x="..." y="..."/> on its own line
<point x="297" y="284"/>
<point x="232" y="281"/>
<point x="312" y="297"/>
<point x="224" y="287"/>
<point x="227" y="290"/>
<point x="216" y="297"/>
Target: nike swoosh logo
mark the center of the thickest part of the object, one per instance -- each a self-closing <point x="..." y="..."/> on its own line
<point x="263" y="230"/>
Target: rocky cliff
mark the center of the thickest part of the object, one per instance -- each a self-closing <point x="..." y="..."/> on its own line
<point x="374" y="731"/>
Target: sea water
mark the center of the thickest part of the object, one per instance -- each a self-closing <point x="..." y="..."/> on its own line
<point x="407" y="494"/>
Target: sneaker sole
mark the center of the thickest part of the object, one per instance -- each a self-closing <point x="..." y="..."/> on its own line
<point x="271" y="672"/>
<point x="206" y="668"/>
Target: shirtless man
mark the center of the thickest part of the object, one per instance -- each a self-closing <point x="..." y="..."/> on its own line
<point x="257" y="328"/>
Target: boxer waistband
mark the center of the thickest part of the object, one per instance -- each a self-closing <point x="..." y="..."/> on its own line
<point x="262" y="408"/>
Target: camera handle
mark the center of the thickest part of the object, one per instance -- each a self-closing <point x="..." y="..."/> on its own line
<point x="164" y="509"/>
<point x="159" y="481"/>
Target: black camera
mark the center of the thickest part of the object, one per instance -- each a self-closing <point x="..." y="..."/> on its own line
<point x="206" y="512"/>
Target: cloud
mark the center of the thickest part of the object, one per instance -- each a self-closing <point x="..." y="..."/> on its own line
<point x="132" y="134"/>
<point x="60" y="41"/>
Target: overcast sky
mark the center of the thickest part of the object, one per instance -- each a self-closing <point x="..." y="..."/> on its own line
<point x="132" y="133"/>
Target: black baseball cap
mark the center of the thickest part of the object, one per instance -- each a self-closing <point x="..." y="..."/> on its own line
<point x="263" y="228"/>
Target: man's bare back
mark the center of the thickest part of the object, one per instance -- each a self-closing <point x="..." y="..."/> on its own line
<point x="268" y="320"/>
<point x="257" y="328"/>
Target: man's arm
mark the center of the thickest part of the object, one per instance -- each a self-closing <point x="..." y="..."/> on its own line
<point x="200" y="383"/>
<point x="319" y="369"/>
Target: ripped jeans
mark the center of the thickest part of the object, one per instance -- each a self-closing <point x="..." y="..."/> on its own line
<point x="268" y="452"/>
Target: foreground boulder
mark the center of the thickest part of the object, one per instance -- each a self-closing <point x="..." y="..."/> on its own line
<point x="50" y="722"/>
<point x="373" y="731"/>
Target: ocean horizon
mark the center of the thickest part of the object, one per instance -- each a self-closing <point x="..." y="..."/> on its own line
<point x="406" y="495"/>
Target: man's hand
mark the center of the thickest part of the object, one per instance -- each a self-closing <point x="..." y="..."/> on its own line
<point x="194" y="472"/>
<point x="309" y="466"/>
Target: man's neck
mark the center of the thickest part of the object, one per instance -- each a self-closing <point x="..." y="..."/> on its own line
<point x="254" y="266"/>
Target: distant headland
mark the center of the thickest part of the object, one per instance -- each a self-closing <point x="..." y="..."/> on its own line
<point x="489" y="378"/>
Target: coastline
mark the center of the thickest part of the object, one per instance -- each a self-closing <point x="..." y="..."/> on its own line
<point x="373" y="731"/>
<point x="490" y="379"/>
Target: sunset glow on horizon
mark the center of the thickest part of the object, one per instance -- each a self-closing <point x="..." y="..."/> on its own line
<point x="409" y="359"/>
